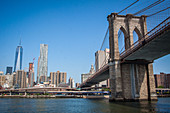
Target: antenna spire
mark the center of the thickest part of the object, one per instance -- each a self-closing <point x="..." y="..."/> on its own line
<point x="20" y="40"/>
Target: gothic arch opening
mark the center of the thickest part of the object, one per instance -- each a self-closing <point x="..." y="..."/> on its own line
<point x="121" y="39"/>
<point x="136" y="35"/>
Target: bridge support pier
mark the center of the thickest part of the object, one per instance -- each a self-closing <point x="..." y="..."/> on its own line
<point x="151" y="83"/>
<point x="115" y="81"/>
<point x="131" y="82"/>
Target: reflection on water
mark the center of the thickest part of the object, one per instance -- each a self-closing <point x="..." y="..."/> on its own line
<point x="81" y="106"/>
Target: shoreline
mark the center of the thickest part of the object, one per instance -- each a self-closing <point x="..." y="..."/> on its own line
<point x="53" y="96"/>
<point x="64" y="96"/>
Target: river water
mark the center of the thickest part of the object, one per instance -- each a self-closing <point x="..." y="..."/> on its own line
<point x="77" y="105"/>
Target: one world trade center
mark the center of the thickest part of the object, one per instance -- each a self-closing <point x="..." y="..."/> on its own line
<point x="18" y="58"/>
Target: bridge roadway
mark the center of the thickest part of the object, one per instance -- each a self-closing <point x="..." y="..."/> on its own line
<point x="156" y="44"/>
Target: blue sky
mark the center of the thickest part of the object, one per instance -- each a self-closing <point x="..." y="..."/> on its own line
<point x="73" y="29"/>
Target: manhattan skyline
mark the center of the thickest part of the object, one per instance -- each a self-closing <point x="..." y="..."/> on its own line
<point x="73" y="30"/>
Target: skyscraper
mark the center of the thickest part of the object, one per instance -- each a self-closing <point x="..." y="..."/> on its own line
<point x="31" y="74"/>
<point x="101" y="59"/>
<point x="54" y="78"/>
<point x="8" y="70"/>
<point x="71" y="82"/>
<point x="58" y="78"/>
<point x="43" y="68"/>
<point x="85" y="76"/>
<point x="18" y="58"/>
<point x="62" y="77"/>
<point x="20" y="79"/>
<point x="38" y="68"/>
<point x="77" y="85"/>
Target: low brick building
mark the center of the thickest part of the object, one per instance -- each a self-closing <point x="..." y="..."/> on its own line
<point x="162" y="80"/>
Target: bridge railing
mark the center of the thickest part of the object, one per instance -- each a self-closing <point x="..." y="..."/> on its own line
<point x="146" y="38"/>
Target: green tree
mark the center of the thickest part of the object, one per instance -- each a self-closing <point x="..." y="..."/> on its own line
<point x="160" y="87"/>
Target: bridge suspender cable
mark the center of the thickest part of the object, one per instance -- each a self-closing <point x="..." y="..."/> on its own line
<point x="128" y="6"/>
<point x="148" y="7"/>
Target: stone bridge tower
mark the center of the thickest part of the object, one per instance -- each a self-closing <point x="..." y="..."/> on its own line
<point x="130" y="80"/>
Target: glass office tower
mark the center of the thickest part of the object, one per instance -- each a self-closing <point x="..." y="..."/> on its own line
<point x="8" y="70"/>
<point x="18" y="58"/>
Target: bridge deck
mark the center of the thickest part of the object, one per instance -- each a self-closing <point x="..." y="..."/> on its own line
<point x="152" y="47"/>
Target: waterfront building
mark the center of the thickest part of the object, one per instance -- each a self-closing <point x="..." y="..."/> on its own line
<point x="38" y="69"/>
<point x="8" y="70"/>
<point x="85" y="76"/>
<point x="42" y="79"/>
<point x="18" y="58"/>
<point x="49" y="79"/>
<point x="14" y="79"/>
<point x="162" y="80"/>
<point x="77" y="85"/>
<point x="6" y="81"/>
<point x="43" y="61"/>
<point x="31" y="75"/>
<point x="2" y="80"/>
<point x="20" y="79"/>
<point x="71" y="83"/>
<point x="57" y="78"/>
<point x="62" y="77"/>
<point x="27" y="77"/>
<point x="108" y="83"/>
<point x="1" y="73"/>
<point x="63" y="85"/>
<point x="101" y="59"/>
<point x="54" y="76"/>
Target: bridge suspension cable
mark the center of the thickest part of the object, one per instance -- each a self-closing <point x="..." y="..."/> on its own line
<point x="148" y="7"/>
<point x="158" y="12"/>
<point x="104" y="38"/>
<point x="128" y="6"/>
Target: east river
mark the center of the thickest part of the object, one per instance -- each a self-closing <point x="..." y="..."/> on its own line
<point x="77" y="105"/>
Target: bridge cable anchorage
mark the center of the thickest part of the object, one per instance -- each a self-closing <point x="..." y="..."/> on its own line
<point x="158" y="12"/>
<point x="128" y="6"/>
<point x="148" y="7"/>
